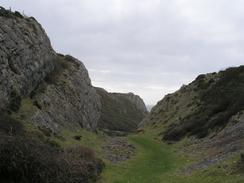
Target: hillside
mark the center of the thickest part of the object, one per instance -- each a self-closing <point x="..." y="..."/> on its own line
<point x="120" y="112"/>
<point x="204" y="118"/>
<point x="201" y="108"/>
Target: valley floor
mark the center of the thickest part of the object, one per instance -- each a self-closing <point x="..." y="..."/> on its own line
<point x="155" y="162"/>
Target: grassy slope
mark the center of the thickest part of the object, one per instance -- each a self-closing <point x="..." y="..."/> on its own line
<point x="155" y="162"/>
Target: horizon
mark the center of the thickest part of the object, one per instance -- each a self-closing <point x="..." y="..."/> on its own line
<point x="149" y="48"/>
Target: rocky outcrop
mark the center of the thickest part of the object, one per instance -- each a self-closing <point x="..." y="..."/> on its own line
<point x="39" y="86"/>
<point x="25" y="56"/>
<point x="66" y="97"/>
<point x="120" y="112"/>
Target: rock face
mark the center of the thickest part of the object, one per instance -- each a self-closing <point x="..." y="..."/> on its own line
<point x="25" y="56"/>
<point x="39" y="86"/>
<point x="120" y="112"/>
<point x="66" y="97"/>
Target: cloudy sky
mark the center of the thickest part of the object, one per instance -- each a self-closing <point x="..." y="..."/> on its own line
<point x="149" y="47"/>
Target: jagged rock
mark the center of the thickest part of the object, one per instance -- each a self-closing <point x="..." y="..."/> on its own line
<point x="25" y="56"/>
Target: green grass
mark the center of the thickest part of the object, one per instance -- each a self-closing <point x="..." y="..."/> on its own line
<point x="152" y="159"/>
<point x="88" y="139"/>
<point x="155" y="162"/>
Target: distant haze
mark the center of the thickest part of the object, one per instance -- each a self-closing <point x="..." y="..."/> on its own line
<point x="149" y="107"/>
<point x="148" y="47"/>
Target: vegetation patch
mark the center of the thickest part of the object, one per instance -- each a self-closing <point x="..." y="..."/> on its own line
<point x="15" y="101"/>
<point x="28" y="158"/>
<point x="60" y="64"/>
<point x="24" y="159"/>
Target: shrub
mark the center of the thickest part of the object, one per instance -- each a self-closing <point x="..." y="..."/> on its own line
<point x="15" y="101"/>
<point x="60" y="64"/>
<point x="77" y="137"/>
<point x="239" y="168"/>
<point x="18" y="14"/>
<point x="10" y="126"/>
<point x="9" y="13"/>
<point x="28" y="160"/>
<point x="5" y="13"/>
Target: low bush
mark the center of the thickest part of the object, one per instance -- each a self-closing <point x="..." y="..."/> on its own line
<point x="15" y="101"/>
<point x="10" y="126"/>
<point x="60" y="64"/>
<point x="28" y="159"/>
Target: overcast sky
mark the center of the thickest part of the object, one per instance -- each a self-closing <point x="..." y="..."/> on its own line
<point x="149" y="47"/>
